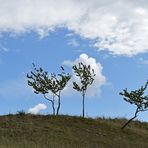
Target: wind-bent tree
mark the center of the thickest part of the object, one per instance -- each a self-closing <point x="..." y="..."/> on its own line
<point x="59" y="81"/>
<point x="40" y="81"/>
<point x="86" y="75"/>
<point x="137" y="98"/>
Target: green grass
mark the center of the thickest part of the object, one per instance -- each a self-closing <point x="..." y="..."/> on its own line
<point x="28" y="131"/>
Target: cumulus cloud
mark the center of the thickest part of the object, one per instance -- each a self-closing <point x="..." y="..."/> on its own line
<point x="37" y="109"/>
<point x="99" y="80"/>
<point x="120" y="27"/>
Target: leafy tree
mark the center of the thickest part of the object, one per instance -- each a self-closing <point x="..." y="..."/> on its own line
<point x="86" y="75"/>
<point x="137" y="98"/>
<point x="59" y="83"/>
<point x="40" y="81"/>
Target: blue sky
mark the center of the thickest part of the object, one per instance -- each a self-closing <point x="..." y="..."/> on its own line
<point x="50" y="39"/>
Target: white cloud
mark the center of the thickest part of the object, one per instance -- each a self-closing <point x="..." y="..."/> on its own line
<point x="37" y="108"/>
<point x="121" y="27"/>
<point x="99" y="80"/>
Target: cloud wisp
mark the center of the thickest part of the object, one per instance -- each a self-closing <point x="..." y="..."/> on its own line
<point x="120" y="27"/>
<point x="99" y="80"/>
<point x="37" y="109"/>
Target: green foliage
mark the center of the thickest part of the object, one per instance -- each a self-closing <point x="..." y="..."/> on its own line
<point x="58" y="82"/>
<point x="86" y="75"/>
<point x="42" y="83"/>
<point x="137" y="98"/>
<point x="39" y="80"/>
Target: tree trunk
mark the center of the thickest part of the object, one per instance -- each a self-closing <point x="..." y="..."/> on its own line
<point x="52" y="103"/>
<point x="83" y="109"/>
<point x="53" y="108"/>
<point x="59" y="104"/>
<point x="130" y="119"/>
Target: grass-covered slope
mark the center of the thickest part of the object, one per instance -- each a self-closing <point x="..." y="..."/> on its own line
<point x="28" y="131"/>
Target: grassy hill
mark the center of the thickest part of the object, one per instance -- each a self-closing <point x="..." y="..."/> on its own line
<point x="28" y="131"/>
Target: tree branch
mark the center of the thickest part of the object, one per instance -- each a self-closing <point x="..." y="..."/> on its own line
<point x="47" y="98"/>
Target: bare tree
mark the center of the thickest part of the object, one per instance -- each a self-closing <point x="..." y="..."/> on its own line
<point x="86" y="75"/>
<point x="137" y="98"/>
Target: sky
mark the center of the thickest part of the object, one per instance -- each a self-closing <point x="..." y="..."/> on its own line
<point x="109" y="35"/>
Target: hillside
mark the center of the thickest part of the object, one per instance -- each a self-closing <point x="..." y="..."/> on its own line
<point x="28" y="131"/>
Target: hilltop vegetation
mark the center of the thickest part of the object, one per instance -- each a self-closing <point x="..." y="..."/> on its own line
<point x="28" y="131"/>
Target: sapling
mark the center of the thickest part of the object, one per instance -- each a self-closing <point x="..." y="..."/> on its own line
<point x="137" y="98"/>
<point x="86" y="75"/>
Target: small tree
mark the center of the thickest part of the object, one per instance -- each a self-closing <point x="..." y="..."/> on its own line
<point x="40" y="81"/>
<point x="60" y="81"/>
<point x="86" y="75"/>
<point x="137" y="98"/>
